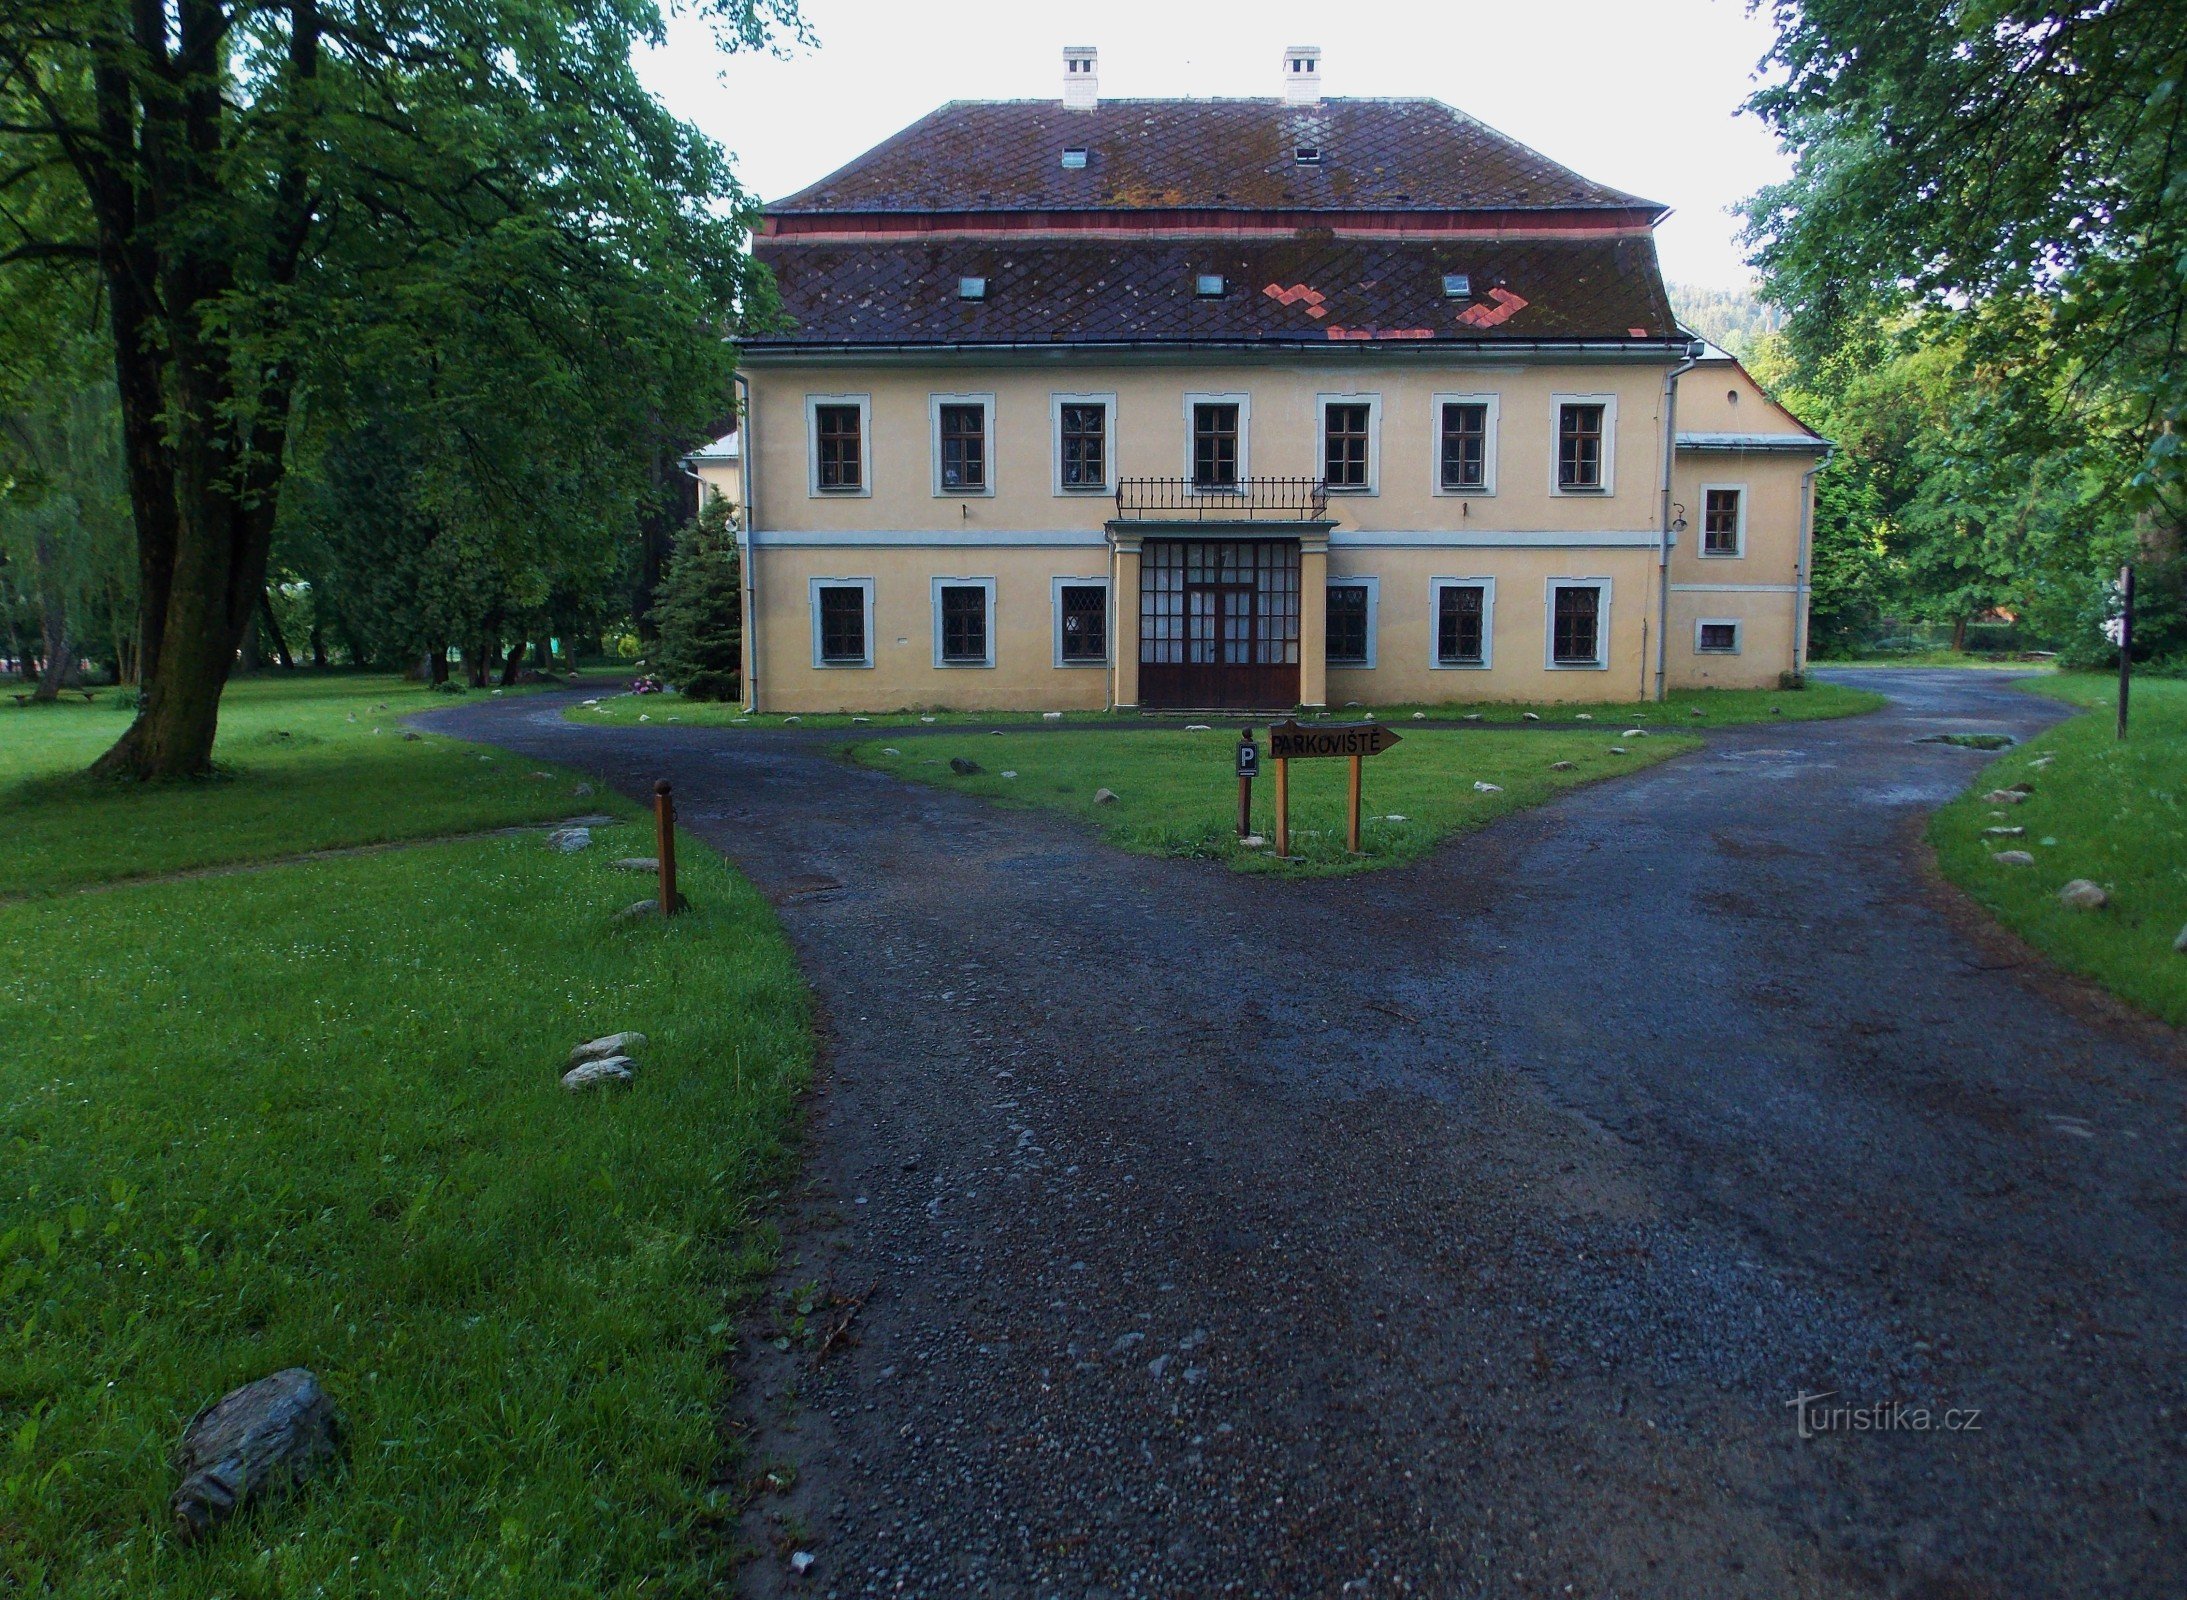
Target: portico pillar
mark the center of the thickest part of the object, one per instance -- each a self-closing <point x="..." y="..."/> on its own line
<point x="1124" y="620"/>
<point x="1314" y="620"/>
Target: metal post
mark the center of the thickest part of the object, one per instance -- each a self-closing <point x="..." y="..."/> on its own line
<point x="1351" y="811"/>
<point x="664" y="844"/>
<point x="1245" y="786"/>
<point x="1283" y="808"/>
<point x="2126" y="640"/>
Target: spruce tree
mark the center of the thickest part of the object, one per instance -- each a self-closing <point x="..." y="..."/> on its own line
<point x="700" y="609"/>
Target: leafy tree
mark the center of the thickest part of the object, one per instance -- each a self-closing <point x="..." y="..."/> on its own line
<point x="2009" y="154"/>
<point x="1731" y="319"/>
<point x="700" y="609"/>
<point x="284" y="198"/>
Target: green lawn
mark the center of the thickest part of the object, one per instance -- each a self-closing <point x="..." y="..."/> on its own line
<point x="2114" y="813"/>
<point x="310" y="1115"/>
<point x="1699" y="708"/>
<point x="312" y="762"/>
<point x="1177" y="792"/>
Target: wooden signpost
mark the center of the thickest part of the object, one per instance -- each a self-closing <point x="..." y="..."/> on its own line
<point x="1289" y="742"/>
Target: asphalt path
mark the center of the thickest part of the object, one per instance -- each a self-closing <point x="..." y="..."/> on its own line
<point x="1470" y="1228"/>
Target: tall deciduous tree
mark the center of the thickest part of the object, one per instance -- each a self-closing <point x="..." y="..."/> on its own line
<point x="1999" y="152"/>
<point x="281" y="194"/>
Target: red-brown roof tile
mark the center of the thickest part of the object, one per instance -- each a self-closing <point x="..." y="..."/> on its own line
<point x="1314" y="287"/>
<point x="1141" y="155"/>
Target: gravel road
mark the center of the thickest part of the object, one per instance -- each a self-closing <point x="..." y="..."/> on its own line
<point x="1463" y="1229"/>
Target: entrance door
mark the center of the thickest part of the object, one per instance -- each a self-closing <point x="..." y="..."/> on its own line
<point x="1218" y="623"/>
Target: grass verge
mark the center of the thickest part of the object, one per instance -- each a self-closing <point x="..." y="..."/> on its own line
<point x="1177" y="792"/>
<point x="308" y="763"/>
<point x="309" y="1115"/>
<point x="1698" y="708"/>
<point x="2098" y="809"/>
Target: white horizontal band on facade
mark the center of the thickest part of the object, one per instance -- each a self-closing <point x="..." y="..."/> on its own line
<point x="1523" y="539"/>
<point x="1095" y="538"/>
<point x="1751" y="441"/>
<point x="1735" y="588"/>
<point x="933" y="539"/>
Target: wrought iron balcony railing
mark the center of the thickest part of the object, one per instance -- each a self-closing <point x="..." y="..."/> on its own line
<point x="1247" y="500"/>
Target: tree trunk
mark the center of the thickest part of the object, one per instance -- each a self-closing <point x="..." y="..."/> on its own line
<point x="273" y="629"/>
<point x="52" y="621"/>
<point x="511" y="665"/>
<point x="1959" y="634"/>
<point x="436" y="662"/>
<point x="318" y="637"/>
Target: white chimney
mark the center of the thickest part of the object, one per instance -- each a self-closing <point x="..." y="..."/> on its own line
<point x="1081" y="79"/>
<point x="1302" y="75"/>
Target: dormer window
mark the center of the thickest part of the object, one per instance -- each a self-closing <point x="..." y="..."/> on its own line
<point x="1457" y="286"/>
<point x="971" y="288"/>
<point x="1307" y="155"/>
<point x="1208" y="286"/>
<point x="1074" y="159"/>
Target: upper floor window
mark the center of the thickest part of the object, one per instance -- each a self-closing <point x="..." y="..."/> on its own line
<point x="1579" y="445"/>
<point x="1345" y="426"/>
<point x="1465" y="445"/>
<point x="839" y="448"/>
<point x="1723" y="521"/>
<point x="961" y="429"/>
<point x="1215" y="444"/>
<point x="1082" y="443"/>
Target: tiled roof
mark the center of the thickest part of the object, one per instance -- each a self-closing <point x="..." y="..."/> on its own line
<point x="1376" y="155"/>
<point x="1324" y="288"/>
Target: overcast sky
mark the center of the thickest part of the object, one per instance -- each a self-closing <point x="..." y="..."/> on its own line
<point x="1641" y="94"/>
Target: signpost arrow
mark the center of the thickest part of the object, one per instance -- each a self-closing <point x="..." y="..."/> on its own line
<point x="1290" y="741"/>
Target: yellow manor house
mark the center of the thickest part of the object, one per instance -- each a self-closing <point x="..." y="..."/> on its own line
<point x="1244" y="404"/>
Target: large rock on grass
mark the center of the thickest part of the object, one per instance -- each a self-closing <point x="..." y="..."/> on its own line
<point x="612" y="1044"/>
<point x="2082" y="895"/>
<point x="609" y="1072"/>
<point x="265" y="1439"/>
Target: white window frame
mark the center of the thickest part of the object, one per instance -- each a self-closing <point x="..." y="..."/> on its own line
<point x="1436" y="586"/>
<point x="1608" y="402"/>
<point x="986" y="403"/>
<point x="934" y="597"/>
<point x="1701" y="533"/>
<point x="1601" y="663"/>
<point x="1373" y="403"/>
<point x="864" y="403"/>
<point x="1056" y="403"/>
<point x="1737" y="625"/>
<point x="1373" y="586"/>
<point x="1490" y="435"/>
<point x="1056" y="586"/>
<point x="813" y="588"/>
<point x="1244" y="403"/>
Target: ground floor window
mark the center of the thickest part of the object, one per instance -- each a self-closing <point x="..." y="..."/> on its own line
<point x="841" y="615"/>
<point x="963" y="624"/>
<point x="1350" y="625"/>
<point x="1461" y="623"/>
<point x="1716" y="637"/>
<point x="1082" y="624"/>
<point x="1577" y="619"/>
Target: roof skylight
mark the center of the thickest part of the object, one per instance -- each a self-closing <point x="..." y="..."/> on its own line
<point x="971" y="288"/>
<point x="1074" y="158"/>
<point x="1208" y="285"/>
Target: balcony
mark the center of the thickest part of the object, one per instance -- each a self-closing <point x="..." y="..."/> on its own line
<point x="1172" y="500"/>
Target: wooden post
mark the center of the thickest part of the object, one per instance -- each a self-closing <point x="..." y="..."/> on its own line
<point x="664" y="845"/>
<point x="1351" y="810"/>
<point x="2126" y="640"/>
<point x="1283" y="809"/>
